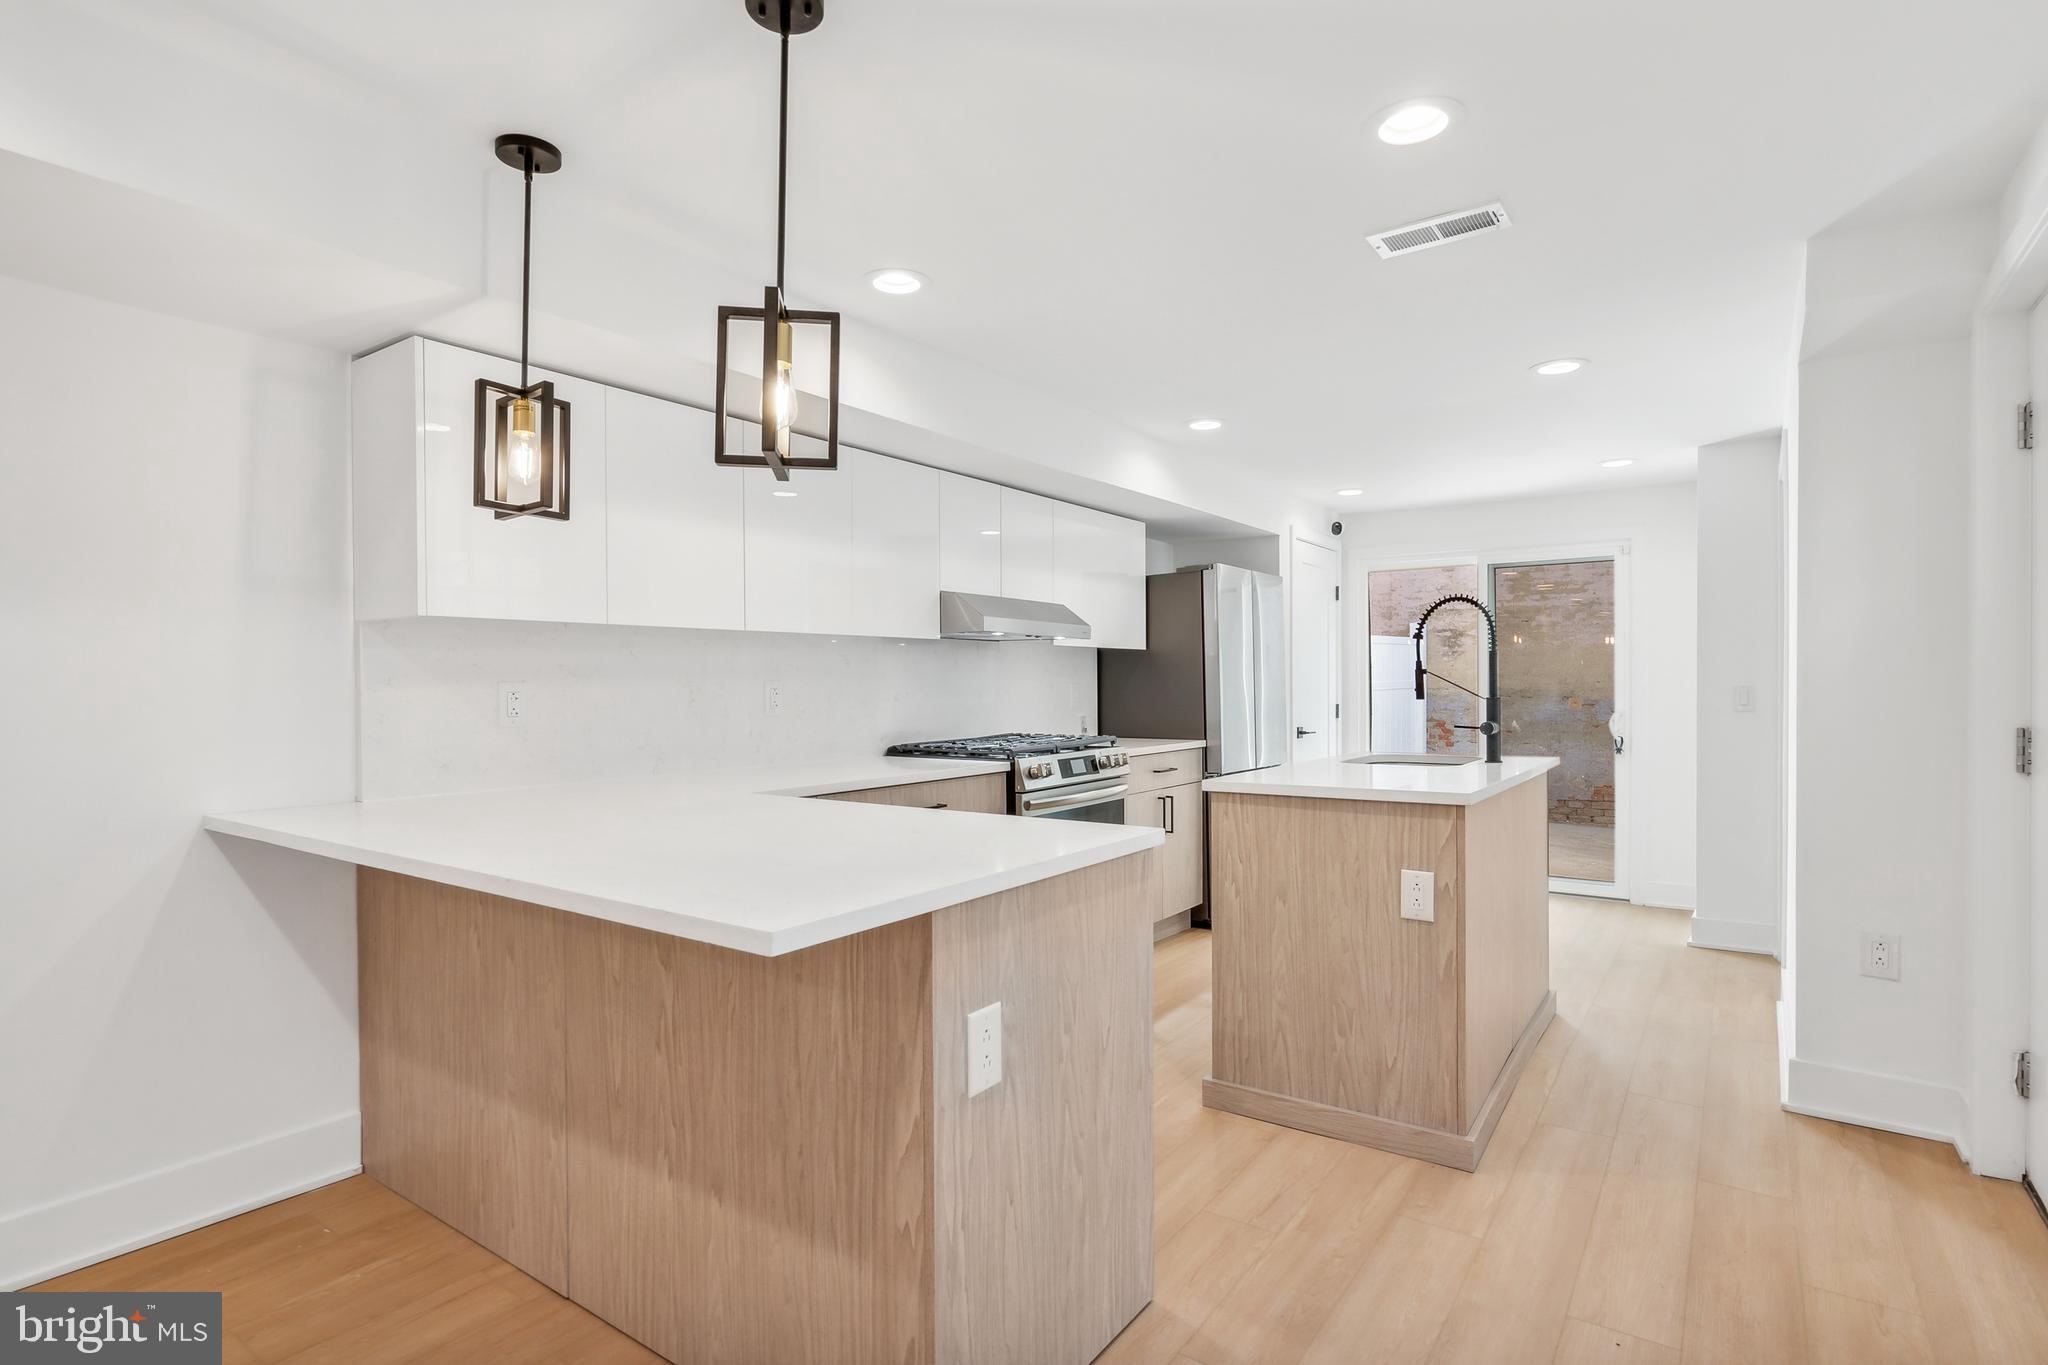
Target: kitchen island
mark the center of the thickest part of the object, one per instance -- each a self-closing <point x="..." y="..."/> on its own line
<point x="694" y="1053"/>
<point x="1335" y="1011"/>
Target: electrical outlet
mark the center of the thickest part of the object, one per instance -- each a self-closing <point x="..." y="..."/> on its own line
<point x="1418" y="895"/>
<point x="511" y="703"/>
<point x="985" y="1048"/>
<point x="771" y="700"/>
<point x="1881" y="956"/>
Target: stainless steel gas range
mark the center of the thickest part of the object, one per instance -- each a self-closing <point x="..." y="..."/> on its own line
<point x="1057" y="777"/>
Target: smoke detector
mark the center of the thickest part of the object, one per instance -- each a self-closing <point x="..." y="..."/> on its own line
<point x="1445" y="227"/>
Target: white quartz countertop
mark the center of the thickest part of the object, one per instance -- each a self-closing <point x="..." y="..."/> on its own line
<point x="1141" y="747"/>
<point x="1461" y="784"/>
<point x="727" y="858"/>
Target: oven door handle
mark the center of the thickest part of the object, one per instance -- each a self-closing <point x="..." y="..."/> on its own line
<point x="1034" y="805"/>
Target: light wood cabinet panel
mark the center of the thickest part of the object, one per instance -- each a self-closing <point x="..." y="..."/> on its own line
<point x="1099" y="571"/>
<point x="1149" y="772"/>
<point x="464" y="1063"/>
<point x="1027" y="546"/>
<point x="1182" y="858"/>
<point x="676" y="524"/>
<point x="970" y="535"/>
<point x="518" y="568"/>
<point x="893" y="573"/>
<point x="988" y="793"/>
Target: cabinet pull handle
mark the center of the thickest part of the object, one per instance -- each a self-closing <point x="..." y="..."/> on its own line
<point x="1166" y="770"/>
<point x="1166" y="813"/>
<point x="936" y="805"/>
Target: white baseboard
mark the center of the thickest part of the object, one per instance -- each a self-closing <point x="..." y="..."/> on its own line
<point x="1667" y="895"/>
<point x="1735" y="936"/>
<point x="1896" y="1104"/>
<point x="93" y="1225"/>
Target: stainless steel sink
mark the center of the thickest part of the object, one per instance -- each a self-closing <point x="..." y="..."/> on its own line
<point x="1418" y="760"/>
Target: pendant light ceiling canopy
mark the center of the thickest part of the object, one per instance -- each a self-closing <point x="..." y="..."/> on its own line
<point x="782" y="329"/>
<point x="522" y="432"/>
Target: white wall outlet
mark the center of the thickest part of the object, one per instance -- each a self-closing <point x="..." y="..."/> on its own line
<point x="511" y="703"/>
<point x="1881" y="956"/>
<point x="771" y="699"/>
<point x="984" y="1048"/>
<point x="1418" y="895"/>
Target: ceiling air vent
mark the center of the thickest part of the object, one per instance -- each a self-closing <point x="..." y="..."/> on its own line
<point x="1445" y="227"/>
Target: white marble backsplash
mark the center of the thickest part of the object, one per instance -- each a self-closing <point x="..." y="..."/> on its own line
<point x="605" y="701"/>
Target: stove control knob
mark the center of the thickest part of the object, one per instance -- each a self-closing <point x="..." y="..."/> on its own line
<point x="1038" y="770"/>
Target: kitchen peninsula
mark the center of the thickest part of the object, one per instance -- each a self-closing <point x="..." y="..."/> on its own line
<point x="694" y="1052"/>
<point x="1342" y="1012"/>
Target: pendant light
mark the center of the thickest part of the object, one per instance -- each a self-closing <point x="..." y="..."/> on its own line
<point x="522" y="434"/>
<point x="779" y="323"/>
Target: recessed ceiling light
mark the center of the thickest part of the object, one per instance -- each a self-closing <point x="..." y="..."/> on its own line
<point x="1616" y="464"/>
<point x="1349" y="492"/>
<point x="991" y="533"/>
<point x="896" y="280"/>
<point x="785" y="492"/>
<point x="1564" y="364"/>
<point x="433" y="426"/>
<point x="1418" y="120"/>
<point x="1205" y="424"/>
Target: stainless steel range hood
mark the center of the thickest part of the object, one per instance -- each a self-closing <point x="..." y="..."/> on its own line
<point x="979" y="616"/>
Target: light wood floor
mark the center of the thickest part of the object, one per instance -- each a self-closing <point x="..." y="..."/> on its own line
<point x="1644" y="1200"/>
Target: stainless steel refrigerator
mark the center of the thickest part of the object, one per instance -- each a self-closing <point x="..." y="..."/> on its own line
<point x="1214" y="667"/>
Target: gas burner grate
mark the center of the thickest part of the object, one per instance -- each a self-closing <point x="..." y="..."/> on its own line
<point x="1001" y="747"/>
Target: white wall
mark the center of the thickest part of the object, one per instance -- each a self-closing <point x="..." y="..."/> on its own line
<point x="179" y="1011"/>
<point x="1882" y="535"/>
<point x="1658" y="524"/>
<point x="611" y="700"/>
<point x="1741" y="588"/>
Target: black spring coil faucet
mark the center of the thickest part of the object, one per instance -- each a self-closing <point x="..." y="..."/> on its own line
<point x="1490" y="727"/>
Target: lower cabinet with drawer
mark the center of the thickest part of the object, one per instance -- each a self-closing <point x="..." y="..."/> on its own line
<point x="988" y="793"/>
<point x="1178" y="810"/>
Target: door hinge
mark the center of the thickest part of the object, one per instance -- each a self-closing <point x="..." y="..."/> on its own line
<point x="2026" y="426"/>
<point x="2023" y="1075"/>
<point x="2023" y="751"/>
<point x="1338" y="710"/>
<point x="1337" y="593"/>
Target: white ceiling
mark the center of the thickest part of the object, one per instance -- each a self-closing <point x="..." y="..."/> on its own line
<point x="1156" y="209"/>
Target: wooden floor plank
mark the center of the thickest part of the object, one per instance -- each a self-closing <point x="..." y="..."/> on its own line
<point x="1849" y="1241"/>
<point x="1853" y="1332"/>
<point x="1632" y="1278"/>
<point x="1394" y="1310"/>
<point x="1743" y="1302"/>
<point x="1512" y="1305"/>
<point x="1584" y="1343"/>
<point x="1743" y="1138"/>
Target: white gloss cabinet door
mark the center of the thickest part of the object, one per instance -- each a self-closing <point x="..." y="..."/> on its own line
<point x="1099" y="572"/>
<point x="676" y="553"/>
<point x="970" y="535"/>
<point x="1028" y="546"/>
<point x="894" y="573"/>
<point x="519" y="568"/>
<point x="799" y="544"/>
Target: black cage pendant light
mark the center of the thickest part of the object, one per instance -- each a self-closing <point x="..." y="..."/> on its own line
<point x="522" y="433"/>
<point x="779" y="322"/>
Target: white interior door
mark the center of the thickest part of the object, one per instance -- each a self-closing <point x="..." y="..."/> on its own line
<point x="2037" y="1030"/>
<point x="1314" y="650"/>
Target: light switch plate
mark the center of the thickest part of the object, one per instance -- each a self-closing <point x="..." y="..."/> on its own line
<point x="1418" y="895"/>
<point x="1745" y="697"/>
<point x="985" y="1048"/>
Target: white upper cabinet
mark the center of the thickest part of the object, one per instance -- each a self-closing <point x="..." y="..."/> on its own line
<point x="799" y="546"/>
<point x="521" y="568"/>
<point x="1027" y="546"/>
<point x="659" y="535"/>
<point x="894" y="573"/>
<point x="422" y="547"/>
<point x="970" y="535"/>
<point x="676" y="551"/>
<point x="1099" y="572"/>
